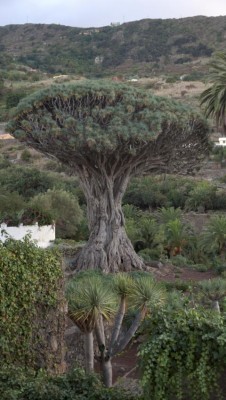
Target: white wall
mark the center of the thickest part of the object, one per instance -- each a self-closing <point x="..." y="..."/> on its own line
<point x="42" y="235"/>
<point x="221" y="142"/>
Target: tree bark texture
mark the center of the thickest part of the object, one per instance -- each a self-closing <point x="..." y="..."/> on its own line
<point x="108" y="247"/>
<point x="216" y="306"/>
<point x="106" y="368"/>
<point x="89" y="351"/>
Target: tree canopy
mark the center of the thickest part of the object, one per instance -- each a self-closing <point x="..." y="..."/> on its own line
<point x="106" y="133"/>
<point x="92" y="121"/>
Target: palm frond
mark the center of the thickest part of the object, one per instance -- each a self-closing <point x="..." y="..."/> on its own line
<point x="214" y="289"/>
<point x="146" y="293"/>
<point x="122" y="284"/>
<point x="88" y="298"/>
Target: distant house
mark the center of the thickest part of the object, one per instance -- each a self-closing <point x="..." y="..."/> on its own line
<point x="221" y="142"/>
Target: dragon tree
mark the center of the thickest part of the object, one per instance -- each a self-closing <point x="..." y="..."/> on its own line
<point x="106" y="133"/>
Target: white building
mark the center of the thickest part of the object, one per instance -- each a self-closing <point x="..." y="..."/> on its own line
<point x="41" y="235"/>
<point x="221" y="142"/>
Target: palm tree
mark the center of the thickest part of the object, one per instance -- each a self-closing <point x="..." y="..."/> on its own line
<point x="214" y="98"/>
<point x="167" y="214"/>
<point x="213" y="238"/>
<point x="96" y="300"/>
<point x="176" y="236"/>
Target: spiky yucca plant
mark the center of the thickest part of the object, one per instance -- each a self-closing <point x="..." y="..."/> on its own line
<point x="94" y="299"/>
<point x="214" y="290"/>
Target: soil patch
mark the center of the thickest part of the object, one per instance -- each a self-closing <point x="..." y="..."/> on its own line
<point x="170" y="273"/>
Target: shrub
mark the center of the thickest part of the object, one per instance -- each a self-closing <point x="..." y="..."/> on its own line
<point x="202" y="196"/>
<point x="29" y="280"/>
<point x="12" y="99"/>
<point x="179" y="261"/>
<point x="19" y="384"/>
<point x="25" y="155"/>
<point x="11" y="207"/>
<point x="149" y="255"/>
<point x="62" y="207"/>
<point x="184" y="353"/>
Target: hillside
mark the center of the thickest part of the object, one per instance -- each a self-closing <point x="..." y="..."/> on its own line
<point x="141" y="47"/>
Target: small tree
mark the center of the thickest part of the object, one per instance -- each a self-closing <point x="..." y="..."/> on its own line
<point x="94" y="299"/>
<point x="176" y="236"/>
<point x="107" y="133"/>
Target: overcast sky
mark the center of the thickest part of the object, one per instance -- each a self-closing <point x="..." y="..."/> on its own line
<point x="88" y="13"/>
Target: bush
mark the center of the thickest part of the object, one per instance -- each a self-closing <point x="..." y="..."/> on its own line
<point x="20" y="384"/>
<point x="29" y="280"/>
<point x="25" y="155"/>
<point x="62" y="207"/>
<point x="149" y="255"/>
<point x="26" y="181"/>
<point x="12" y="99"/>
<point x="11" y="207"/>
<point x="202" y="196"/>
<point x="179" y="261"/>
<point x="185" y="353"/>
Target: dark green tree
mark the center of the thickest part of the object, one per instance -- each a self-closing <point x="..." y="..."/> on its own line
<point x="214" y="97"/>
<point x="107" y="133"/>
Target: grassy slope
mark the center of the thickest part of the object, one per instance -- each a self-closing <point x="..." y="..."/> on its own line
<point x="135" y="47"/>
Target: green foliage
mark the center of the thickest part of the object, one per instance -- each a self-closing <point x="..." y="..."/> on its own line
<point x="149" y="255"/>
<point x="176" y="235"/>
<point x="219" y="154"/>
<point x="26" y="155"/>
<point x="180" y="261"/>
<point x="170" y="193"/>
<point x="214" y="289"/>
<point x="11" y="207"/>
<point x="29" y="277"/>
<point x="184" y="353"/>
<point x="20" y="384"/>
<point x="71" y="50"/>
<point x="94" y="297"/>
<point x="12" y="99"/>
<point x="26" y="181"/>
<point x="62" y="207"/>
<point x="157" y="192"/>
<point x="29" y="182"/>
<point x="92" y="115"/>
<point x="146" y="292"/>
<point x="169" y="214"/>
<point x="89" y="297"/>
<point x="213" y="238"/>
<point x="214" y="98"/>
<point x="202" y="196"/>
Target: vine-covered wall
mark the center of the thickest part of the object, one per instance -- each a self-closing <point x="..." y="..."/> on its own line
<point x="32" y="306"/>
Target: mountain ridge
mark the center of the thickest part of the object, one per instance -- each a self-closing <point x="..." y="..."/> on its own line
<point x="137" y="47"/>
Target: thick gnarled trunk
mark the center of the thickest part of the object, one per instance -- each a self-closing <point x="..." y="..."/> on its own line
<point x="108" y="247"/>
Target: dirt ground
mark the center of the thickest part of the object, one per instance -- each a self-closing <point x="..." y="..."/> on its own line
<point x="169" y="273"/>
